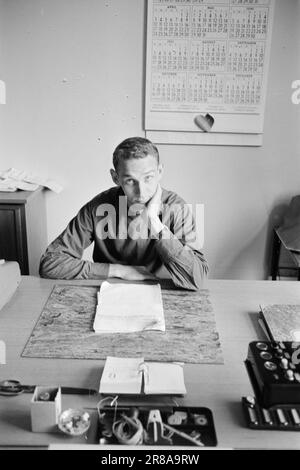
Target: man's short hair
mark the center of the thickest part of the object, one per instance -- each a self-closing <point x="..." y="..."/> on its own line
<point x="134" y="147"/>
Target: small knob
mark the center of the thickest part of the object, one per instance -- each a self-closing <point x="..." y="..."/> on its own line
<point x="297" y="376"/>
<point x="284" y="363"/>
<point x="251" y="401"/>
<point x="289" y="375"/>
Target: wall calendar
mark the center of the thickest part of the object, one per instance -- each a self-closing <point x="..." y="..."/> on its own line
<point x="206" y="56"/>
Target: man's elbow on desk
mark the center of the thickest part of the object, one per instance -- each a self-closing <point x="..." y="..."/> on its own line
<point x="52" y="267"/>
<point x="55" y="271"/>
<point x="200" y="275"/>
<point x="192" y="281"/>
<point x="46" y="269"/>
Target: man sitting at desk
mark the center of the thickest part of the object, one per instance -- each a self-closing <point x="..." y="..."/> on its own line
<point x="137" y="228"/>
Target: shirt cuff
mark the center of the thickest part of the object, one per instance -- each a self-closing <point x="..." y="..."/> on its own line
<point x="98" y="270"/>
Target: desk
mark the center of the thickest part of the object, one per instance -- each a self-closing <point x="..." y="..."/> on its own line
<point x="219" y="387"/>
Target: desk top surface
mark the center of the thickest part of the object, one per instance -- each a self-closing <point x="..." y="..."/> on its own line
<point x="218" y="387"/>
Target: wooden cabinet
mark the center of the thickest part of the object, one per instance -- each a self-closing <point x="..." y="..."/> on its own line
<point x="23" y="228"/>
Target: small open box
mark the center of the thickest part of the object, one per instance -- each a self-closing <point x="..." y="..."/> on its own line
<point x="45" y="409"/>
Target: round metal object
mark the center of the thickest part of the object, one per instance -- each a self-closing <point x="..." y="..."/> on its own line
<point x="74" y="422"/>
<point x="44" y="396"/>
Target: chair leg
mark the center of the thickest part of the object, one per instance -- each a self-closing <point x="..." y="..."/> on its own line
<point x="275" y="256"/>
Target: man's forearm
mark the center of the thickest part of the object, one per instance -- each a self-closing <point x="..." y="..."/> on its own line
<point x="188" y="267"/>
<point x="62" y="266"/>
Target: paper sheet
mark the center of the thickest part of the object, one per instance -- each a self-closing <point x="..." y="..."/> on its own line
<point x="7" y="186"/>
<point x="121" y="375"/>
<point x="164" y="378"/>
<point x="128" y="308"/>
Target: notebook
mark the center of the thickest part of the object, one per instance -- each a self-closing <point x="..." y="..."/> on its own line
<point x="129" y="308"/>
<point x="282" y="321"/>
<point x="135" y="376"/>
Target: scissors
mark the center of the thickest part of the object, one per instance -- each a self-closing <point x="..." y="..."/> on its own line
<point x="12" y="388"/>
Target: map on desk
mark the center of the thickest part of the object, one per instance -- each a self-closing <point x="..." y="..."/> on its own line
<point x="65" y="330"/>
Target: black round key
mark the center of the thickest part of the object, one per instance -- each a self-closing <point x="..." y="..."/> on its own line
<point x="266" y="355"/>
<point x="270" y="366"/>
<point x="262" y="346"/>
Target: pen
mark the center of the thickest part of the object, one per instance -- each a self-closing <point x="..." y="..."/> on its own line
<point x="183" y="435"/>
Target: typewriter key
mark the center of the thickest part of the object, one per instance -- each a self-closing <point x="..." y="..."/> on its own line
<point x="284" y="363"/>
<point x="262" y="346"/>
<point x="297" y="376"/>
<point x="281" y="417"/>
<point x="270" y="365"/>
<point x="267" y="416"/>
<point x="253" y="416"/>
<point x="295" y="416"/>
<point x="251" y="401"/>
<point x="279" y="353"/>
<point x="289" y="374"/>
<point x="266" y="356"/>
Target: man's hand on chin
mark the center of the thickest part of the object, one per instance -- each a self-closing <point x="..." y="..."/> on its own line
<point x="148" y="218"/>
<point x="130" y="273"/>
<point x="153" y="209"/>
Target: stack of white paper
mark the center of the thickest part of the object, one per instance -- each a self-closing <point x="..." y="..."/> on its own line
<point x="129" y="308"/>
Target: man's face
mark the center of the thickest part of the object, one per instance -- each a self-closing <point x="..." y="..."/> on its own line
<point x="139" y="178"/>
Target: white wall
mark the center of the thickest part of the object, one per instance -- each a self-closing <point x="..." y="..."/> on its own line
<point x="74" y="77"/>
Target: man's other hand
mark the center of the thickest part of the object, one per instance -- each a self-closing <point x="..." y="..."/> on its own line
<point x="130" y="273"/>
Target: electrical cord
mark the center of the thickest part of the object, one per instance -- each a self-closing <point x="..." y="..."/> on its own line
<point x="129" y="431"/>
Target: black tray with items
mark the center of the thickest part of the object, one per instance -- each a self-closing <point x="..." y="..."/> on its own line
<point x="166" y="426"/>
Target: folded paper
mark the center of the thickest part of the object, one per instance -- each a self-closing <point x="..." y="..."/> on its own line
<point x="129" y="308"/>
